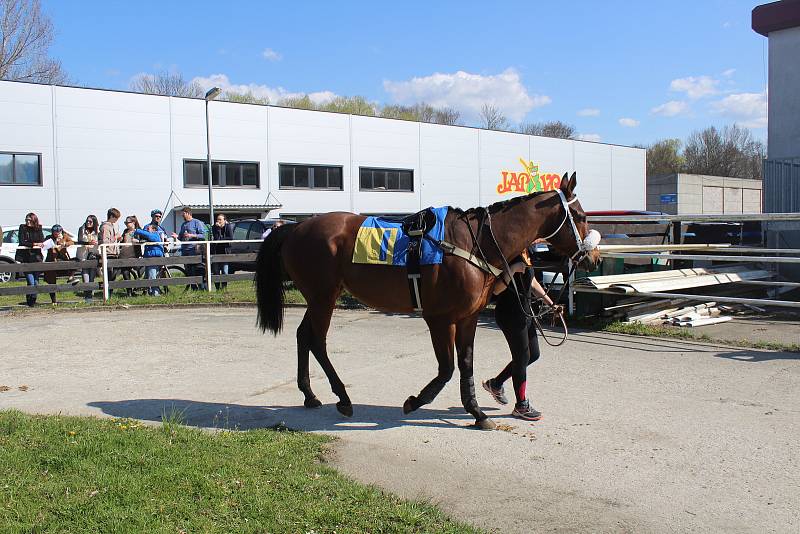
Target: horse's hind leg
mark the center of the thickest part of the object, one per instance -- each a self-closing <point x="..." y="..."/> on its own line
<point x="442" y="337"/>
<point x="465" y="340"/>
<point x="305" y="338"/>
<point x="320" y="314"/>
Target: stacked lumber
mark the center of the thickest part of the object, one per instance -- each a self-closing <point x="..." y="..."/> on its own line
<point x="685" y="316"/>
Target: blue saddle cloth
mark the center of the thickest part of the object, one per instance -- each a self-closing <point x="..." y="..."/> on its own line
<point x="383" y="242"/>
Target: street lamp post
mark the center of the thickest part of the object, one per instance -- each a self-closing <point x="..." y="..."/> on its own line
<point x="210" y="95"/>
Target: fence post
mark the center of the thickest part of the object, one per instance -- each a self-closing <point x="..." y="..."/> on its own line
<point x="208" y="265"/>
<point x="104" y="255"/>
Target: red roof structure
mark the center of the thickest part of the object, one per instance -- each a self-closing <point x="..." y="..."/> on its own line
<point x="776" y="16"/>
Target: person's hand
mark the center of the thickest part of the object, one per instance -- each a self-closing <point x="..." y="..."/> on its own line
<point x="558" y="310"/>
<point x="174" y="235"/>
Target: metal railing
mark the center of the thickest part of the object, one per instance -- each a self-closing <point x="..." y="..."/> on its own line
<point x="109" y="264"/>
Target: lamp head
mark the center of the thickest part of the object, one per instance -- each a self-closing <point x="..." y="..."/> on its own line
<point x="213" y="93"/>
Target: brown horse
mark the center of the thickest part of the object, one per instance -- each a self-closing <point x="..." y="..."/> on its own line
<point x="317" y="256"/>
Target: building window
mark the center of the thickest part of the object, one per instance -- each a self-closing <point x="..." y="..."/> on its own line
<point x="20" y="169"/>
<point x="225" y="174"/>
<point x="310" y="177"/>
<point x="374" y="179"/>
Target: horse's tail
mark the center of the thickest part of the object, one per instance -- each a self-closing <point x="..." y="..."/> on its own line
<point x="269" y="280"/>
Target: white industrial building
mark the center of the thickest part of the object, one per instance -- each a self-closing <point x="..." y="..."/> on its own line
<point x="66" y="152"/>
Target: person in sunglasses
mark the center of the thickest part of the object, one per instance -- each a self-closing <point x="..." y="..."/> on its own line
<point x="156" y="216"/>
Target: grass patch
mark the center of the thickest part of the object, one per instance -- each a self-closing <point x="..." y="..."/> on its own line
<point x="71" y="474"/>
<point x="236" y="293"/>
<point x="637" y="329"/>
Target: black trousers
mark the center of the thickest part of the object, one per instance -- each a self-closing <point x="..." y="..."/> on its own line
<point x="520" y="333"/>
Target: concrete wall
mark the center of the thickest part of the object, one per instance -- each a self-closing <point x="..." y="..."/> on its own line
<point x="104" y="148"/>
<point x="697" y="194"/>
<point x="784" y="88"/>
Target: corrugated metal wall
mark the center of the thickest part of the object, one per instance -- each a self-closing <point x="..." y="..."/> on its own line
<point x="781" y="186"/>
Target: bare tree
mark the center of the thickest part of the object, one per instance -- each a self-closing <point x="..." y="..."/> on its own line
<point x="558" y="129"/>
<point x="664" y="157"/>
<point x="167" y="84"/>
<point x="447" y="116"/>
<point x="25" y="37"/>
<point x="730" y="152"/>
<point x="492" y="118"/>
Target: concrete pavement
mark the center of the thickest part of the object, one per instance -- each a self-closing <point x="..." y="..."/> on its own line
<point x="638" y="434"/>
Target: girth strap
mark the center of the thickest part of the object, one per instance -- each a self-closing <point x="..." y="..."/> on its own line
<point x="450" y="248"/>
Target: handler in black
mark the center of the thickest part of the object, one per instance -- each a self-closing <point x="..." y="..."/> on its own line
<point x="520" y="332"/>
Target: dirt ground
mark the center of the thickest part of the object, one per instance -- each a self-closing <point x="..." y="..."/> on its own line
<point x="638" y="434"/>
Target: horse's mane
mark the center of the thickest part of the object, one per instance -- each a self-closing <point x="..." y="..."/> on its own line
<point x="499" y="206"/>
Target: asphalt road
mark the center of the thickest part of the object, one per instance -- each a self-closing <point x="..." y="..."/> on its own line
<point x="638" y="434"/>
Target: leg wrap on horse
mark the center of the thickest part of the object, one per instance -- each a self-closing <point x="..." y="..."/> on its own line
<point x="468" y="398"/>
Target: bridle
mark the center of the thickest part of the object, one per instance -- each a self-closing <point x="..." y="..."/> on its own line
<point x="585" y="245"/>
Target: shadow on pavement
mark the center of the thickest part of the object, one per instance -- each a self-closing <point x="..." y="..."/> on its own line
<point x="244" y="417"/>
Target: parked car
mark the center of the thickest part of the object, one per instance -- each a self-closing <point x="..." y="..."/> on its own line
<point x="249" y="229"/>
<point x="8" y="248"/>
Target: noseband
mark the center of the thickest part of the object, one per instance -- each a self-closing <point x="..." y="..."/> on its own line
<point x="584" y="246"/>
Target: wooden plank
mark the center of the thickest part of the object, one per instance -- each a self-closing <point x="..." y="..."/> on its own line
<point x="48" y="288"/>
<point x="230" y="258"/>
<point x="662" y="256"/>
<point x="40" y="267"/>
<point x="142" y="262"/>
<point x="718" y="298"/>
<point x="232" y="277"/>
<point x="158" y="282"/>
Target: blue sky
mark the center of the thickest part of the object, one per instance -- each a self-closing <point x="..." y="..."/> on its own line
<point x="621" y="72"/>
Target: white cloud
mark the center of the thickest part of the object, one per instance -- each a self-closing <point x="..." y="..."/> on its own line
<point x="726" y="24"/>
<point x="271" y="55"/>
<point x="671" y="108"/>
<point x="629" y="123"/>
<point x="728" y="73"/>
<point x="747" y="109"/>
<point x="695" y="87"/>
<point x="589" y="137"/>
<point x="468" y="92"/>
<point x="274" y="94"/>
<point x="589" y="112"/>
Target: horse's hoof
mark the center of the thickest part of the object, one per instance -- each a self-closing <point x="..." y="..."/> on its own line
<point x="346" y="409"/>
<point x="486" y="424"/>
<point x="313" y="402"/>
<point x="408" y="405"/>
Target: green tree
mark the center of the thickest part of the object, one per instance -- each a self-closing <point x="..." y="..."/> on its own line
<point x="355" y="105"/>
<point x="244" y="98"/>
<point x="297" y="102"/>
<point x="664" y="157"/>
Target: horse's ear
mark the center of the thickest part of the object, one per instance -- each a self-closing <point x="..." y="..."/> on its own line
<point x="573" y="182"/>
<point x="565" y="184"/>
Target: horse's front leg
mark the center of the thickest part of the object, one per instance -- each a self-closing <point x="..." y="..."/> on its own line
<point x="465" y="341"/>
<point x="442" y="335"/>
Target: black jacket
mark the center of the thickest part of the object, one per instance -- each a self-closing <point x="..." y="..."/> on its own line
<point x="27" y="237"/>
<point x="219" y="234"/>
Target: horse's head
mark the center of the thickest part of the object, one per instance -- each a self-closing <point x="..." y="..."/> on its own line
<point x="572" y="236"/>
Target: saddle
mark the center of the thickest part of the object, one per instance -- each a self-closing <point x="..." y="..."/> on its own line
<point x="416" y="226"/>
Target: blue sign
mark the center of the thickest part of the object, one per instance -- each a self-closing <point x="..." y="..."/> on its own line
<point x="669" y="199"/>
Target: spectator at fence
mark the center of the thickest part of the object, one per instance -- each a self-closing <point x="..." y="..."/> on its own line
<point x="129" y="249"/>
<point x="56" y="245"/>
<point x="156" y="216"/>
<point x="155" y="250"/>
<point x="222" y="231"/>
<point x="88" y="238"/>
<point x="31" y="238"/>
<point x="192" y="230"/>
<point x="109" y="233"/>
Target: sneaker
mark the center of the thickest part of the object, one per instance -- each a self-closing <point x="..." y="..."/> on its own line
<point x="498" y="393"/>
<point x="527" y="412"/>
